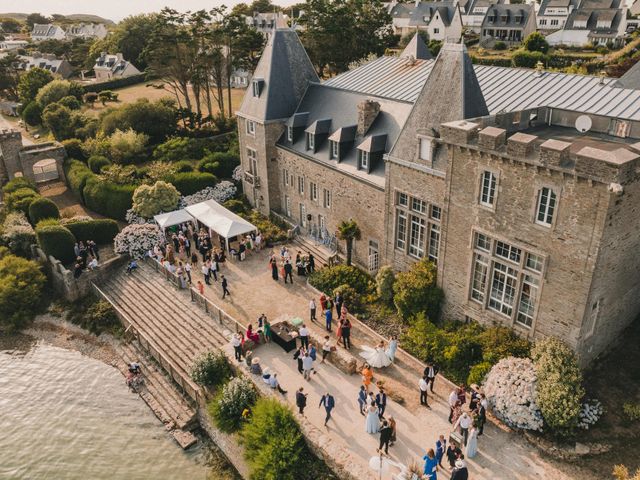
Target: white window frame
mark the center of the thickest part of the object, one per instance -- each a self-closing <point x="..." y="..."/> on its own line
<point x="434" y="242"/>
<point x="313" y="191"/>
<point x="253" y="161"/>
<point x="502" y="299"/>
<point x="251" y="128"/>
<point x="545" y="210"/>
<point x="435" y="213"/>
<point x="255" y="88"/>
<point x="364" y="158"/>
<point x="402" y="199"/>
<point x="373" y="257"/>
<point x="311" y="141"/>
<point x="301" y="185"/>
<point x="425" y="152"/>
<point x="326" y="198"/>
<point x="479" y="275"/>
<point x="290" y="134"/>
<point x="527" y="302"/>
<point x="488" y="184"/>
<point x="417" y="235"/>
<point x="285" y="177"/>
<point x="402" y="227"/>
<point x="335" y="150"/>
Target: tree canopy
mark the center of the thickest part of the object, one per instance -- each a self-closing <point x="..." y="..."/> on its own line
<point x="32" y="81"/>
<point x="338" y="32"/>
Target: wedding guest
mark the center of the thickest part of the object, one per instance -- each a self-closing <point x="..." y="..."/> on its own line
<point x="464" y="422"/>
<point x="430" y="465"/>
<point x="392" y="348"/>
<point x="441" y="446"/>
<point x="385" y="437"/>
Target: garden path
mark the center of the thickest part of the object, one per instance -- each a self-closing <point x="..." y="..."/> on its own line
<point x="502" y="455"/>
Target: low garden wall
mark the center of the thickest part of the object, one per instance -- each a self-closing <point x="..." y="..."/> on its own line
<point x="62" y="280"/>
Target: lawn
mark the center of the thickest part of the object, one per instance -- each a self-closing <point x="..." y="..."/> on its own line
<point x="145" y="90"/>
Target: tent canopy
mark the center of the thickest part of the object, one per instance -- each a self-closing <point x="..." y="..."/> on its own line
<point x="219" y="219"/>
<point x="166" y="220"/>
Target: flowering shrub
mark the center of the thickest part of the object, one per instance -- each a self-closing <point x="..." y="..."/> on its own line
<point x="75" y="219"/>
<point x="511" y="391"/>
<point x="222" y="192"/>
<point x="18" y="234"/>
<point x="327" y="279"/>
<point x="228" y="405"/>
<point x="137" y="240"/>
<point x="237" y="173"/>
<point x="631" y="411"/>
<point x="416" y="291"/>
<point x="149" y="200"/>
<point x="560" y="389"/>
<point x="590" y="413"/>
<point x="133" y="218"/>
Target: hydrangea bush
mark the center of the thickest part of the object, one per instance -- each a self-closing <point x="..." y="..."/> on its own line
<point x="222" y="192"/>
<point x="18" y="234"/>
<point x="237" y="173"/>
<point x="137" y="240"/>
<point x="560" y="390"/>
<point x="227" y="407"/>
<point x="590" y="413"/>
<point x="511" y="391"/>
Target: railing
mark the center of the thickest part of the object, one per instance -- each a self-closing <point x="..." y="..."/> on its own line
<point x="208" y="306"/>
<point x="187" y="385"/>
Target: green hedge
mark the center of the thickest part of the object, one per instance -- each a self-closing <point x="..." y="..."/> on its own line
<point x="77" y="174"/>
<point x="102" y="231"/>
<point x="327" y="279"/>
<point x="113" y="84"/>
<point x="496" y="62"/>
<point x="97" y="163"/>
<point x="57" y="241"/>
<point x="189" y="183"/>
<point x="17" y="183"/>
<point x="21" y="199"/>
<point x="42" y="208"/>
<point x="107" y="198"/>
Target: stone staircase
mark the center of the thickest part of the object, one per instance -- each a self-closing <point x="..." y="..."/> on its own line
<point x="323" y="255"/>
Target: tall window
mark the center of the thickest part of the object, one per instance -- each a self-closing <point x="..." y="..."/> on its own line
<point x="335" y="150"/>
<point x="251" y="127"/>
<point x="487" y="189"/>
<point x="285" y="177"/>
<point x="401" y="230"/>
<point x="417" y="227"/>
<point x="311" y="141"/>
<point x="290" y="134"/>
<point x="374" y="257"/>
<point x="256" y="88"/>
<point x="301" y="185"/>
<point x="590" y="326"/>
<point x="326" y="195"/>
<point x="253" y="164"/>
<point x="546" y="206"/>
<point x="313" y="191"/>
<point x="416" y="237"/>
<point x="434" y="242"/>
<point x="512" y="287"/>
<point x="364" y="158"/>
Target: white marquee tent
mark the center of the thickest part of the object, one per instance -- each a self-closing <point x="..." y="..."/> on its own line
<point x="166" y="220"/>
<point x="219" y="219"/>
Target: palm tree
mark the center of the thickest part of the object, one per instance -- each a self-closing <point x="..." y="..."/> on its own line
<point x="348" y="230"/>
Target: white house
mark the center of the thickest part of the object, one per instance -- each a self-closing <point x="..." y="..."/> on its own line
<point x="593" y="21"/>
<point x="509" y="23"/>
<point x="42" y="32"/>
<point x="474" y="11"/>
<point x="58" y="66"/>
<point x="8" y="45"/>
<point x="441" y="20"/>
<point x="87" y="30"/>
<point x="553" y="14"/>
<point x="113" y="66"/>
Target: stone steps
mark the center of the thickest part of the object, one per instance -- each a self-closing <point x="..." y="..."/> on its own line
<point x="323" y="256"/>
<point x="161" y="389"/>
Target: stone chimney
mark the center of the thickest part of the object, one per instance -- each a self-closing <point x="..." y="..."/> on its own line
<point x="367" y="112"/>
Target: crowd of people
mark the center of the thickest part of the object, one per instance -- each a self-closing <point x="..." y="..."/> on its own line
<point x="282" y="265"/>
<point x="87" y="257"/>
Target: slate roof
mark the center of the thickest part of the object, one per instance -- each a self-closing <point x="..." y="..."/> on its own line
<point x="593" y="10"/>
<point x="45" y="30"/>
<point x="416" y="48"/>
<point x="286" y="70"/>
<point x="556" y="4"/>
<point x="423" y="13"/>
<point x="504" y="89"/>
<point x="324" y="102"/>
<point x="507" y="16"/>
<point x="402" y="10"/>
<point x="631" y="78"/>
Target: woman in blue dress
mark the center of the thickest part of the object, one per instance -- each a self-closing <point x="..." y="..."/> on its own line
<point x="393" y="346"/>
<point x="430" y="465"/>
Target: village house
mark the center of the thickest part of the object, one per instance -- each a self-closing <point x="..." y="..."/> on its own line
<point x="109" y="66"/>
<point x="48" y="31"/>
<point x="440" y="20"/>
<point x="87" y="30"/>
<point x="596" y="22"/>
<point x="10" y="44"/>
<point x="60" y="67"/>
<point x="518" y="184"/>
<point x="553" y="14"/>
<point x="474" y="11"/>
<point x="508" y="23"/>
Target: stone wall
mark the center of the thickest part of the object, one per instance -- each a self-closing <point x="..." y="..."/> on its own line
<point x="569" y="246"/>
<point x="351" y="198"/>
<point x="34" y="153"/>
<point x="10" y="145"/>
<point x="62" y="279"/>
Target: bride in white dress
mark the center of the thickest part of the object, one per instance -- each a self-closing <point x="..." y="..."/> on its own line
<point x="376" y="357"/>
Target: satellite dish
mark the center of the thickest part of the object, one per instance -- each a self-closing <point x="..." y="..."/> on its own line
<point x="583" y="123"/>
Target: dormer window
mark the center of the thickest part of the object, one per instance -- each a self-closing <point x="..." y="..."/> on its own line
<point x="363" y="159"/>
<point x="311" y="141"/>
<point x="251" y="127"/>
<point x="335" y="150"/>
<point x="518" y="18"/>
<point x="504" y="18"/>
<point x="290" y="134"/>
<point x="256" y="86"/>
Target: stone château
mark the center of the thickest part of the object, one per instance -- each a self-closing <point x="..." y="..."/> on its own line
<point x="521" y="185"/>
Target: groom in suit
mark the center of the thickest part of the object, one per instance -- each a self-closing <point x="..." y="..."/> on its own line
<point x="328" y="402"/>
<point x="381" y="403"/>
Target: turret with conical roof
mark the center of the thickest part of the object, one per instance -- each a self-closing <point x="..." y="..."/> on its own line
<point x="417" y="49"/>
<point x="280" y="79"/>
<point x="451" y="92"/>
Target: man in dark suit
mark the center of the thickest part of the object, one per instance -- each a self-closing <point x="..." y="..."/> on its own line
<point x="481" y="418"/>
<point x="362" y="399"/>
<point x="328" y="402"/>
<point x="460" y="472"/>
<point x="385" y="436"/>
<point x="381" y="403"/>
<point x="430" y="372"/>
<point x="301" y="400"/>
